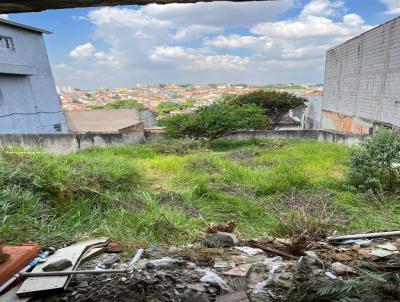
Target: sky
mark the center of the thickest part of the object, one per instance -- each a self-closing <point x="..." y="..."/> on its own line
<point x="282" y="41"/>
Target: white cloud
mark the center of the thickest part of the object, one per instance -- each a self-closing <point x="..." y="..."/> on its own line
<point x="197" y="59"/>
<point x="210" y="42"/>
<point x="311" y="26"/>
<point x="196" y="31"/>
<point x="322" y="8"/>
<point x="83" y="51"/>
<point x="4" y="16"/>
<point x="393" y="6"/>
<point x="219" y="13"/>
<point x="238" y="42"/>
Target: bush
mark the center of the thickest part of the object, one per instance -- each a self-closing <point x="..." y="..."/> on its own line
<point x="275" y="104"/>
<point x="179" y="146"/>
<point x="214" y="121"/>
<point x="375" y="163"/>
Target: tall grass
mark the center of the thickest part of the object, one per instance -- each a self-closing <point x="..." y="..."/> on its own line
<point x="168" y="191"/>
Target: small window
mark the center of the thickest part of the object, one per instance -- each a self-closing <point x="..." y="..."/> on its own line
<point x="7" y="43"/>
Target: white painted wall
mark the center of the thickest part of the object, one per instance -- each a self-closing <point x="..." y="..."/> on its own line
<point x="29" y="102"/>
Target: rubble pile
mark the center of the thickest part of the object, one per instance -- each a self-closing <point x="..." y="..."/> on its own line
<point x="221" y="267"/>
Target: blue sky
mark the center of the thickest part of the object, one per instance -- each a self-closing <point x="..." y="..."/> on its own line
<point x="255" y="42"/>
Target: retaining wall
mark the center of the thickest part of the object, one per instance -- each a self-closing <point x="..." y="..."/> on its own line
<point x="67" y="143"/>
<point x="321" y="135"/>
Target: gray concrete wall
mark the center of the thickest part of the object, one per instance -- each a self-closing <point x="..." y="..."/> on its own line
<point x="67" y="143"/>
<point x="29" y="102"/>
<point x="312" y="113"/>
<point x="320" y="135"/>
<point x="362" y="81"/>
<point x="149" y="118"/>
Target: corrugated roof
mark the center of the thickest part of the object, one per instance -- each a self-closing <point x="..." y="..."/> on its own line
<point x="101" y="121"/>
<point x="23" y="26"/>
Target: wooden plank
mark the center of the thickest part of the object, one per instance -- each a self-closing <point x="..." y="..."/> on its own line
<point x="74" y="253"/>
<point x="19" y="6"/>
<point x="239" y="296"/>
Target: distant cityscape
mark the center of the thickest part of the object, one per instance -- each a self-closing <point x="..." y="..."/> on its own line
<point x="189" y="96"/>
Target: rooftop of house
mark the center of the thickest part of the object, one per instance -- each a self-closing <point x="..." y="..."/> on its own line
<point x="101" y="121"/>
<point x="23" y="26"/>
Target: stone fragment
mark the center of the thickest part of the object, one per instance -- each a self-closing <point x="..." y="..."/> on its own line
<point x="220" y="239"/>
<point x="165" y="263"/>
<point x="59" y="265"/>
<point x="212" y="278"/>
<point x="110" y="260"/>
<point x="196" y="286"/>
<point x="330" y="275"/>
<point x="382" y="253"/>
<point x="340" y="268"/>
<point x="387" y="246"/>
<point x="195" y="296"/>
<point x="249" y="250"/>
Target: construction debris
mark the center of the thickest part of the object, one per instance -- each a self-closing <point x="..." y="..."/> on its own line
<point x="239" y="296"/>
<point x="34" y="286"/>
<point x="220" y="239"/>
<point x="59" y="265"/>
<point x="22" y="258"/>
<point x="367" y="235"/>
<point x="3" y="256"/>
<point x="226" y="228"/>
<point x="254" y="270"/>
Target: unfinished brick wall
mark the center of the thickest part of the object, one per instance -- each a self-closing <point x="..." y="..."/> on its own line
<point x="362" y="80"/>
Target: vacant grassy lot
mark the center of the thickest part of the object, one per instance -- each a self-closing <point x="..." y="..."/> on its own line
<point x="169" y="191"/>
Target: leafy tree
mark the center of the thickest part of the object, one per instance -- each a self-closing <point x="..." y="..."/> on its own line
<point x="167" y="107"/>
<point x="215" y="121"/>
<point x="120" y="104"/>
<point x="275" y="104"/>
<point x="375" y="163"/>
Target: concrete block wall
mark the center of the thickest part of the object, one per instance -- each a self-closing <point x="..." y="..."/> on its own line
<point x="67" y="143"/>
<point x="362" y="81"/>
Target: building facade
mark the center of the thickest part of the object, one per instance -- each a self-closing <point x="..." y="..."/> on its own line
<point x="362" y="82"/>
<point x="28" y="98"/>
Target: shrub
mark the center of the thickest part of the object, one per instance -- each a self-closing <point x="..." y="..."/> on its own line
<point x="214" y="121"/>
<point x="179" y="146"/>
<point x="375" y="163"/>
<point x="275" y="104"/>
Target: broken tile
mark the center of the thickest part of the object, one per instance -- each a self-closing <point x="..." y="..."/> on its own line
<point x="240" y="271"/>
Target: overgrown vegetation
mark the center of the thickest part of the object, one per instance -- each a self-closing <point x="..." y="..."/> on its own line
<point x="169" y="191"/>
<point x="375" y="163"/>
<point x="368" y="286"/>
<point x="120" y="104"/>
<point x="214" y="121"/>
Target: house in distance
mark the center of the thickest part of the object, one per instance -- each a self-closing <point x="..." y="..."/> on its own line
<point x="29" y="103"/>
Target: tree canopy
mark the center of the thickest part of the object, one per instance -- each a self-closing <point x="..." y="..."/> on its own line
<point x="215" y="121"/>
<point x="275" y="104"/>
<point x="120" y="104"/>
